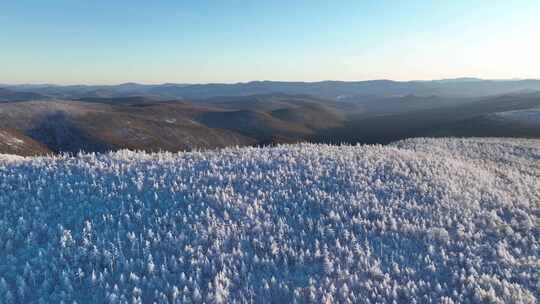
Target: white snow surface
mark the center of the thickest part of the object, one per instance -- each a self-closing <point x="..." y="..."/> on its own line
<point x="10" y="140"/>
<point x="10" y="158"/>
<point x="420" y="221"/>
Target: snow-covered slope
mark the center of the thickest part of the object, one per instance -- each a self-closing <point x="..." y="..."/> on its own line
<point x="528" y="117"/>
<point x="13" y="142"/>
<point x="425" y="220"/>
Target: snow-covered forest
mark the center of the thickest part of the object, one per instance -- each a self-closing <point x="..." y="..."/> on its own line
<point x="420" y="221"/>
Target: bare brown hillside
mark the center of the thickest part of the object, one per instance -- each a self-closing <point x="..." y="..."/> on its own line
<point x="13" y="142"/>
<point x="103" y="124"/>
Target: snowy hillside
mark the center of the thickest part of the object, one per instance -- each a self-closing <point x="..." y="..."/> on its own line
<point x="529" y="117"/>
<point x="13" y="142"/>
<point x="422" y="221"/>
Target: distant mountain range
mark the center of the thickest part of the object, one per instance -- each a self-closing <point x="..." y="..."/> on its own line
<point x="8" y="95"/>
<point x="39" y="119"/>
<point x="335" y="90"/>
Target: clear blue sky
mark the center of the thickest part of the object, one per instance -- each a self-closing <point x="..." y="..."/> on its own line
<point x="102" y="42"/>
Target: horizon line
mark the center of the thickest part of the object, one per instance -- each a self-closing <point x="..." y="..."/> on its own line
<point x="465" y="78"/>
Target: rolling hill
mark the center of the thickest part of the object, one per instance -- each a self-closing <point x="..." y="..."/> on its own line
<point x="518" y="123"/>
<point x="73" y="126"/>
<point x="13" y="142"/>
<point x="459" y="118"/>
<point x="143" y="123"/>
<point x="14" y="96"/>
<point x="140" y="124"/>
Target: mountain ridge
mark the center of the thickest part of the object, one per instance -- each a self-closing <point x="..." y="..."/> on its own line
<point x="329" y="89"/>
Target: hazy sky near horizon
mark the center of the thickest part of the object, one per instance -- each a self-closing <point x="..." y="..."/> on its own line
<point x="198" y="41"/>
